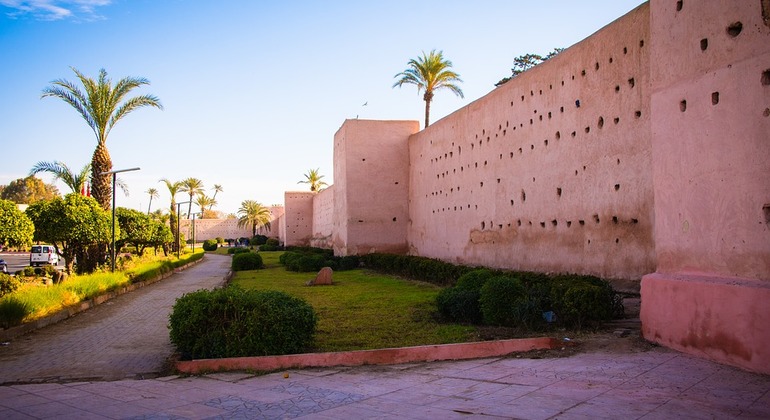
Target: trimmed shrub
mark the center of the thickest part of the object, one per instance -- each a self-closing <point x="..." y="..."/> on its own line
<point x="258" y="240"/>
<point x="306" y="259"/>
<point x="210" y="245"/>
<point x="239" y="250"/>
<point x="461" y="302"/>
<point x="246" y="261"/>
<point x="504" y="301"/>
<point x="220" y="240"/>
<point x="272" y="242"/>
<point x="584" y="300"/>
<point x="8" y="284"/>
<point x="419" y="268"/>
<point x="232" y="322"/>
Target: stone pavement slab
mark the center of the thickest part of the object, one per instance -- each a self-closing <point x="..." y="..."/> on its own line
<point x="653" y="384"/>
<point x="126" y="337"/>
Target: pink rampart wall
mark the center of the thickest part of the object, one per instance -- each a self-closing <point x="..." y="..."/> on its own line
<point x="213" y="228"/>
<point x="323" y="218"/>
<point x="371" y="171"/>
<point x="525" y="178"/>
<point x="298" y="216"/>
<point x="711" y="168"/>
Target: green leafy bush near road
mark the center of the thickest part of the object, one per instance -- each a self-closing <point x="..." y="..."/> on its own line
<point x="246" y="261"/>
<point x="418" y="268"/>
<point x="233" y="322"/>
<point x="8" y="284"/>
<point x="210" y="245"/>
<point x="461" y="303"/>
<point x="238" y="250"/>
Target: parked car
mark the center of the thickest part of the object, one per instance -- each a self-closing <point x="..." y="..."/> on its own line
<point x="3" y="266"/>
<point x="43" y="254"/>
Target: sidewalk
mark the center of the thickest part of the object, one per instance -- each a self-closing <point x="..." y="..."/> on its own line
<point x="126" y="337"/>
<point x="654" y="384"/>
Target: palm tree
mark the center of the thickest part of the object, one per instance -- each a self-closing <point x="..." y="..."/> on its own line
<point x="102" y="105"/>
<point x="254" y="214"/>
<point x="203" y="201"/>
<point x="430" y="73"/>
<point x="193" y="187"/>
<point x="173" y="189"/>
<point x="60" y="171"/>
<point x="153" y="194"/>
<point x="313" y="177"/>
<point x="217" y="189"/>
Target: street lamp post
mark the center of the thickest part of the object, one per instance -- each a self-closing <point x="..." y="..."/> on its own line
<point x="193" y="230"/>
<point x="178" y="226"/>
<point x="114" y="179"/>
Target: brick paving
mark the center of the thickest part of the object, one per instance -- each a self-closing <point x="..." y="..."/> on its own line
<point x="126" y="337"/>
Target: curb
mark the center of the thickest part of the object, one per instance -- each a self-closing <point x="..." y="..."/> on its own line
<point x="61" y="315"/>
<point x="431" y="353"/>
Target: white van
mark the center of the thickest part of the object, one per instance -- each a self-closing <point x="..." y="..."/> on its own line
<point x="43" y="254"/>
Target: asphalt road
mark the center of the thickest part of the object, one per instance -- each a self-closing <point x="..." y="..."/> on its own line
<point x="15" y="261"/>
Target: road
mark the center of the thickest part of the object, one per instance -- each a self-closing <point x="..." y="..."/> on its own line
<point x="17" y="261"/>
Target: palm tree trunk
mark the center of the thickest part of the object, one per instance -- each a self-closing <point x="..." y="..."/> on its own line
<point x="101" y="189"/>
<point x="172" y="221"/>
<point x="427" y="113"/>
<point x="149" y="206"/>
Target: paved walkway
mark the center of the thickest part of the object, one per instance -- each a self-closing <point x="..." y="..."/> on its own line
<point x="126" y="337"/>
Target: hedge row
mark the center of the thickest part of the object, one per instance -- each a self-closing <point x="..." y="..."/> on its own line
<point x="306" y="259"/>
<point x="529" y="300"/>
<point x="233" y="322"/>
<point x="419" y="268"/>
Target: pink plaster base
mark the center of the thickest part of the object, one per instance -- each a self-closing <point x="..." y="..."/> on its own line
<point x="370" y="357"/>
<point x="726" y="320"/>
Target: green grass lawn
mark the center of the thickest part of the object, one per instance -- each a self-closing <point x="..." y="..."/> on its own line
<point x="362" y="310"/>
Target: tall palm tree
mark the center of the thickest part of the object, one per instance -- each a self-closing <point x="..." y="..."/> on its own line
<point x="255" y="214"/>
<point x="193" y="187"/>
<point x="430" y="73"/>
<point x="173" y="189"/>
<point x="153" y="194"/>
<point x="74" y="180"/>
<point x="217" y="189"/>
<point x="203" y="201"/>
<point x="102" y="105"/>
<point x="313" y="177"/>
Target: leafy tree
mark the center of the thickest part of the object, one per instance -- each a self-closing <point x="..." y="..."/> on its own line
<point x="313" y="177"/>
<point x="135" y="228"/>
<point x="525" y="62"/>
<point x="217" y="189"/>
<point x="71" y="225"/>
<point x="153" y="193"/>
<point x="193" y="187"/>
<point x="28" y="190"/>
<point x="161" y="237"/>
<point x="15" y="227"/>
<point x="430" y="73"/>
<point x="255" y="214"/>
<point x="173" y="189"/>
<point x="101" y="105"/>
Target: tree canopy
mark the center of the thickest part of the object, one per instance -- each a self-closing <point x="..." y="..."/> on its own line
<point x="254" y="214"/>
<point x="71" y="225"/>
<point x="525" y="62"/>
<point x="313" y="178"/>
<point x="29" y="190"/>
<point x="15" y="227"/>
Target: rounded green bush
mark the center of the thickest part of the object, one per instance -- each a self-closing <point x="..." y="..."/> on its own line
<point x="8" y="284"/>
<point x="210" y="245"/>
<point x="582" y="300"/>
<point x="272" y="242"/>
<point x="503" y="299"/>
<point x="459" y="305"/>
<point x="220" y="240"/>
<point x="233" y="322"/>
<point x="246" y="261"/>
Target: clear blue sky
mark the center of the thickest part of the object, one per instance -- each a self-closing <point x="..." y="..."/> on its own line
<point x="253" y="90"/>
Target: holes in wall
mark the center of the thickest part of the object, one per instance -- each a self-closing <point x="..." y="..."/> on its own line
<point x="704" y="44"/>
<point x="600" y="123"/>
<point x="734" y="29"/>
<point x="511" y="202"/>
<point x="765" y="80"/>
<point x="483" y="225"/>
<point x="518" y="222"/>
<point x="616" y="120"/>
<point x="558" y="191"/>
<point x="641" y="43"/>
<point x="617" y="88"/>
<point x="542" y="224"/>
<point x="523" y="196"/>
<point x="588" y="130"/>
<point x="615" y="220"/>
<point x="683" y="105"/>
<point x="549" y="115"/>
<point x="554" y="222"/>
<point x="632" y="82"/>
<point x="767" y="112"/>
<point x="573" y="134"/>
<point x="545" y="142"/>
<point x="617" y="186"/>
<point x="581" y="222"/>
<point x="596" y="67"/>
<point x="395" y="219"/>
<point x="561" y="109"/>
<point x="558" y="135"/>
<point x="714" y="98"/>
<point x="577" y="103"/>
<point x="596" y="218"/>
<point x="625" y="50"/>
<point x="583" y="72"/>
<point x="638" y="114"/>
<point x="679" y="4"/>
<point x="569" y="223"/>
<point x="766" y="212"/>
